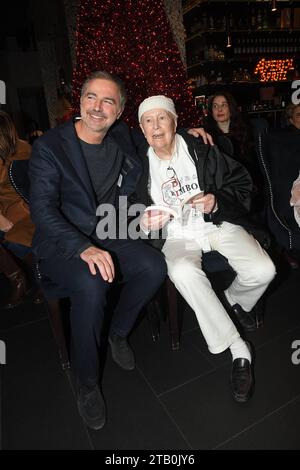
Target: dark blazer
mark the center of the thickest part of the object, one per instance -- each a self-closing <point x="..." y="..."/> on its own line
<point x="62" y="201"/>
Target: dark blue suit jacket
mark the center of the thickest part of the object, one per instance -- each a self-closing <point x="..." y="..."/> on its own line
<point x="62" y="201"/>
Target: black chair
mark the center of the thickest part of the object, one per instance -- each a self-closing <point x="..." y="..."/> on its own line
<point x="53" y="294"/>
<point x="53" y="297"/>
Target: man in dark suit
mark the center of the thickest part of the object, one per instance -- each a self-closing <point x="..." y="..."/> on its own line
<point x="73" y="169"/>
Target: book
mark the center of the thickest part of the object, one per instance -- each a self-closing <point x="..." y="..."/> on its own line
<point x="160" y="208"/>
<point x="173" y="211"/>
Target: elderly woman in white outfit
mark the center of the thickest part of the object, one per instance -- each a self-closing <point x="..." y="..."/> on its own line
<point x="178" y="167"/>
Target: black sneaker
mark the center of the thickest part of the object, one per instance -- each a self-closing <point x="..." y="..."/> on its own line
<point x="91" y="407"/>
<point x="121" y="352"/>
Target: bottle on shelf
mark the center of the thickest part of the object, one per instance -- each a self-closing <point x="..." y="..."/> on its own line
<point x="239" y="75"/>
<point x="204" y="20"/>
<point x="223" y="23"/>
<point x="247" y="76"/>
<point x="238" y="47"/>
<point x="285" y="18"/>
<point x="205" y="52"/>
<point x="265" y="19"/>
<point x="211" y="52"/>
<point x="212" y="78"/>
<point x="194" y="26"/>
<point x="296" y="74"/>
<point x="253" y="18"/>
<point x="259" y="20"/>
<point x="251" y="48"/>
<point x="219" y="78"/>
<point x="277" y="21"/>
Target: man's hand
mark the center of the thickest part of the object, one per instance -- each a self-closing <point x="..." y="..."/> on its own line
<point x="154" y="220"/>
<point x="295" y="194"/>
<point x="207" y="203"/>
<point x="200" y="132"/>
<point x="5" y="224"/>
<point x="93" y="256"/>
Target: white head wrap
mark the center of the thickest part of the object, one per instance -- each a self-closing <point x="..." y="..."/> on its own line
<point x="156" y="102"/>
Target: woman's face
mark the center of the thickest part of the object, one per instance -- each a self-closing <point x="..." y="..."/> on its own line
<point x="295" y="119"/>
<point x="159" y="128"/>
<point x="220" y="109"/>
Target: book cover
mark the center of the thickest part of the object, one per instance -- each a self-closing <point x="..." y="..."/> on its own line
<point x="174" y="211"/>
<point x="159" y="208"/>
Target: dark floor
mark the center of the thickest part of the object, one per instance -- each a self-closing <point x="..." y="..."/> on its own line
<point x="173" y="400"/>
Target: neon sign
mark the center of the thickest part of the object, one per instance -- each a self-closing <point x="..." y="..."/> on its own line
<point x="273" y="70"/>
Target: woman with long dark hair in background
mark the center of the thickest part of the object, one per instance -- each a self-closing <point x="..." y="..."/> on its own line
<point x="16" y="227"/>
<point x="232" y="134"/>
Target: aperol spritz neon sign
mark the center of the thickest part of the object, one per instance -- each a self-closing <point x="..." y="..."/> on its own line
<point x="273" y="70"/>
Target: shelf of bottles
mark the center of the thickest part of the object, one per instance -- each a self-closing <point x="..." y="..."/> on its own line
<point x="255" y="33"/>
<point x="208" y="18"/>
<point x="258" y="32"/>
<point x="237" y="77"/>
<point x="243" y="47"/>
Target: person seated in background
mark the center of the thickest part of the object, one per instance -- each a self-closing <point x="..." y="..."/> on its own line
<point x="16" y="227"/>
<point x="233" y="136"/>
<point x="281" y="162"/>
<point x="177" y="166"/>
<point x="295" y="199"/>
<point x="293" y="117"/>
<point x="63" y="111"/>
<point x="32" y="129"/>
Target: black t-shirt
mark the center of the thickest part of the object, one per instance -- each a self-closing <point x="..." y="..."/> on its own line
<point x="104" y="162"/>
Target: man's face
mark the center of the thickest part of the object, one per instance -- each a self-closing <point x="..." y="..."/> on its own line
<point x="295" y="119"/>
<point x="220" y="109"/>
<point x="99" y="106"/>
<point x="159" y="128"/>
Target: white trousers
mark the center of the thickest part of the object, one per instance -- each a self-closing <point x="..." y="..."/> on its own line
<point x="254" y="269"/>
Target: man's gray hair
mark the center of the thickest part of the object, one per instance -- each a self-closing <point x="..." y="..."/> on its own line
<point x="102" y="74"/>
<point x="289" y="110"/>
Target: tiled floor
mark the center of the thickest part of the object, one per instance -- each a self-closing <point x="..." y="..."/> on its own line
<point x="173" y="400"/>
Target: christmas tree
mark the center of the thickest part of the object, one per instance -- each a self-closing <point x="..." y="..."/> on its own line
<point x="134" y="40"/>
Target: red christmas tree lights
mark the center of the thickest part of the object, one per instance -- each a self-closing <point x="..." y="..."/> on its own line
<point x="133" y="39"/>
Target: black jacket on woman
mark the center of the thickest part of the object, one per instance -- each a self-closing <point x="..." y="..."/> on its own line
<point x="245" y="153"/>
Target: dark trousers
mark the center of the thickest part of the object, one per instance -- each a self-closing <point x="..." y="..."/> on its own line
<point x="140" y="270"/>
